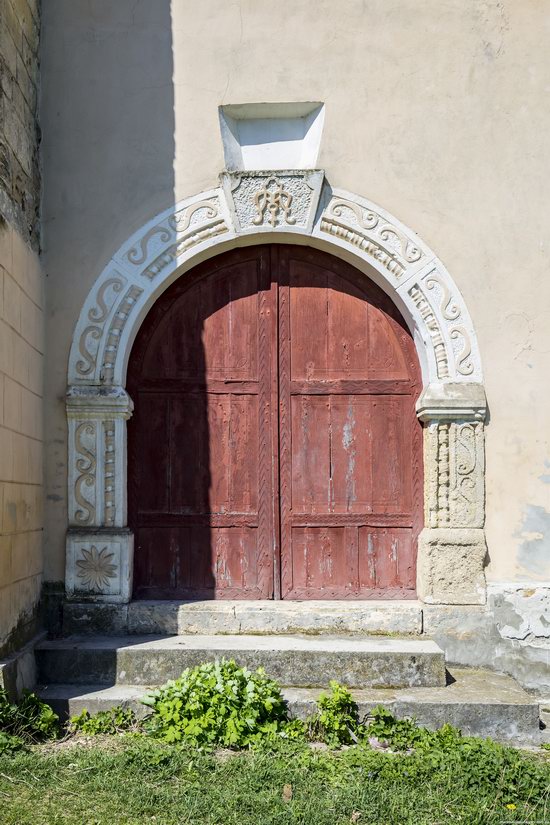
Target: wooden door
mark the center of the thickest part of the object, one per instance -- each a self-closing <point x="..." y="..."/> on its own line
<point x="274" y="449"/>
<point x="200" y="441"/>
<point x="350" y="441"/>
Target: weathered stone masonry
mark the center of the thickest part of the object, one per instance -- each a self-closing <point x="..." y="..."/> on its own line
<point x="21" y="328"/>
<point x="19" y="129"/>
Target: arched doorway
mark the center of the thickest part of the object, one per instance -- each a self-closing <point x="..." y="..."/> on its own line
<point x="274" y="449"/>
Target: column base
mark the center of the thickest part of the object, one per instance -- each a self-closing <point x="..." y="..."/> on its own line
<point x="99" y="565"/>
<point x="450" y="566"/>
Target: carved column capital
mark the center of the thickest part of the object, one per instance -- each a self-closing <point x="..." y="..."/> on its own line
<point x="96" y="401"/>
<point x="452" y="402"/>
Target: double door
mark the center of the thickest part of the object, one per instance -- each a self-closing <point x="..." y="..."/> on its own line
<point x="274" y="450"/>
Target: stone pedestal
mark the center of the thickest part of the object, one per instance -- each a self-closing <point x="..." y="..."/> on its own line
<point x="451" y="548"/>
<point x="99" y="559"/>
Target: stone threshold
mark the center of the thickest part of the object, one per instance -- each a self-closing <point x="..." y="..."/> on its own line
<point x="400" y="617"/>
<point x="479" y="702"/>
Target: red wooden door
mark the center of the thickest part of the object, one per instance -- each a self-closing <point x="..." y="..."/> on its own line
<point x="200" y="440"/>
<point x="274" y="449"/>
<point x="350" y="441"/>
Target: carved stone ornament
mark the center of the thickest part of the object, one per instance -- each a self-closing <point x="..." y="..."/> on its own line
<point x="277" y="204"/>
<point x="95" y="567"/>
<point x="285" y="200"/>
<point x="454" y="468"/>
<point x="99" y="565"/>
<point x="373" y="232"/>
<point x="273" y="200"/>
<point x="448" y="324"/>
<point x="130" y="278"/>
<point x="97" y="455"/>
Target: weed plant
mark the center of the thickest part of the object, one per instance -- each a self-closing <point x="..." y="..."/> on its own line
<point x="24" y="722"/>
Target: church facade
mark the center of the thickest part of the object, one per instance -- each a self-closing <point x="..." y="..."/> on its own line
<point x="275" y="318"/>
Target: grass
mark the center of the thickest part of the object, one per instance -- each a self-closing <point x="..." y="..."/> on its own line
<point x="131" y="779"/>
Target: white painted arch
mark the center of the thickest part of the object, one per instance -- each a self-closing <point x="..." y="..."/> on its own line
<point x="289" y="206"/>
<point x="211" y="222"/>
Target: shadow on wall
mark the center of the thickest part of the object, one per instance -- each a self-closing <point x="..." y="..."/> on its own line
<point x="108" y="125"/>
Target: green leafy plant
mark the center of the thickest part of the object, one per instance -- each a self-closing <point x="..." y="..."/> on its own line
<point x="337" y="720"/>
<point x="10" y="743"/>
<point x="218" y="704"/>
<point x="30" y="719"/>
<point x="382" y="728"/>
<point x="112" y="721"/>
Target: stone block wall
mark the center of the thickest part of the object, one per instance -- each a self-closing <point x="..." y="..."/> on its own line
<point x="21" y="327"/>
<point x="19" y="130"/>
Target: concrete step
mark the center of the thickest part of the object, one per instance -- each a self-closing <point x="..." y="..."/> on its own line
<point x="235" y="617"/>
<point x="299" y="661"/>
<point x="479" y="702"/>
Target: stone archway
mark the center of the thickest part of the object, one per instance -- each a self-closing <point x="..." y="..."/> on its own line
<point x="290" y="207"/>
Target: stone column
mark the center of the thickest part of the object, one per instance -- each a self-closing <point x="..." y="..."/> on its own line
<point x="451" y="548"/>
<point x="99" y="544"/>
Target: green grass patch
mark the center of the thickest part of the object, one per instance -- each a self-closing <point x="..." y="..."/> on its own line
<point x="138" y="780"/>
<point x="170" y="767"/>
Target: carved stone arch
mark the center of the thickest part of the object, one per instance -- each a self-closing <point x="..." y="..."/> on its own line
<point x="257" y="207"/>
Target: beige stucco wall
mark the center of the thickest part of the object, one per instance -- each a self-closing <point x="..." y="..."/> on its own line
<point x="21" y="438"/>
<point x="437" y="111"/>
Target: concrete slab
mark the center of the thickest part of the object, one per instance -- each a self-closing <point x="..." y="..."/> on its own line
<point x="479" y="702"/>
<point x="247" y="617"/>
<point x="301" y="661"/>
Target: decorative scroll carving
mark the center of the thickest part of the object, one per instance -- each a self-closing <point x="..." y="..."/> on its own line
<point x="467" y="492"/>
<point x="173" y="252"/>
<point x="432" y="325"/>
<point x="87" y="366"/>
<point x="100" y="312"/>
<point x="109" y="474"/>
<point x="365" y="245"/>
<point x="365" y="217"/>
<point x="409" y="251"/>
<point x="448" y="308"/>
<point x="274" y="199"/>
<point x="453" y="321"/>
<point x="366" y="229"/>
<point x="97" y="314"/>
<point x="115" y="331"/>
<point x="196" y="217"/>
<point x="454" y="466"/>
<point x="139" y="256"/>
<point x="95" y="568"/>
<point x="86" y="467"/>
<point x="181" y="220"/>
<point x="464" y="364"/>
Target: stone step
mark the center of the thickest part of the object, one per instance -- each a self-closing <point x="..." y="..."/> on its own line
<point x="479" y="702"/>
<point x="235" y="617"/>
<point x="298" y="661"/>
